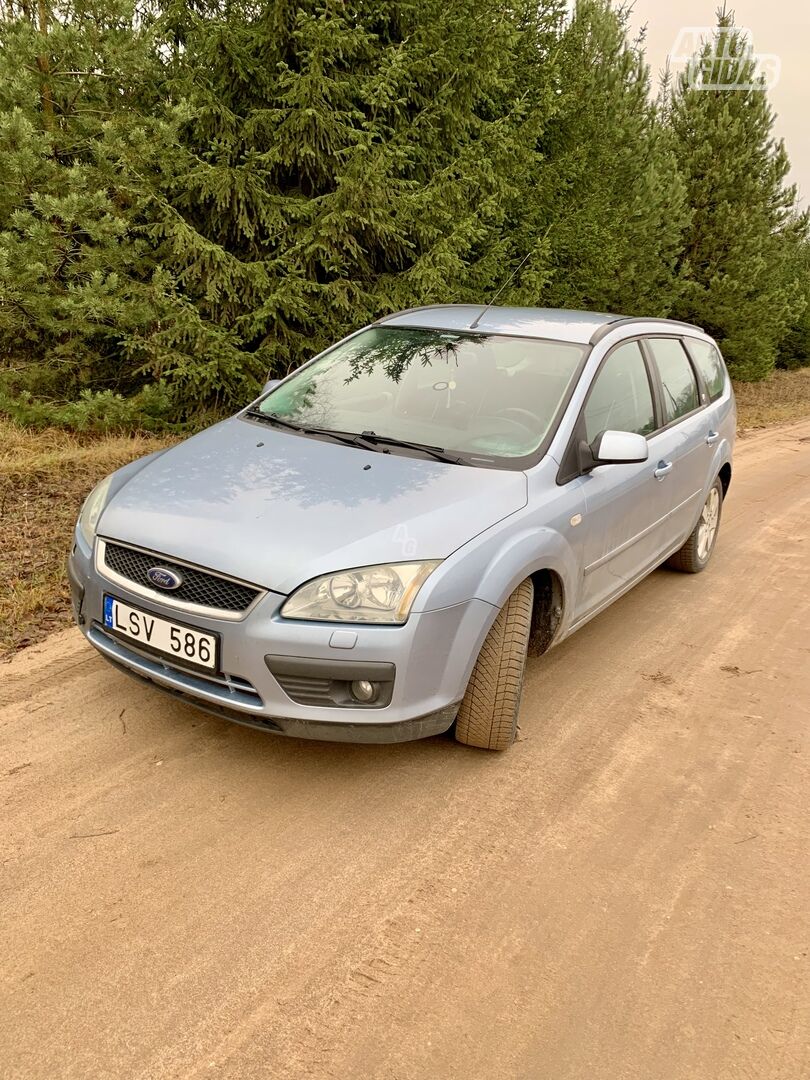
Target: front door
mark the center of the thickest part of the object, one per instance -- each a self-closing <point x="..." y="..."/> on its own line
<point x="621" y="528"/>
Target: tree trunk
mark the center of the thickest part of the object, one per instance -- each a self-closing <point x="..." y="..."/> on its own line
<point x="44" y="65"/>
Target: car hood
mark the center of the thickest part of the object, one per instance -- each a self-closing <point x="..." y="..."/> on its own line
<point x="276" y="509"/>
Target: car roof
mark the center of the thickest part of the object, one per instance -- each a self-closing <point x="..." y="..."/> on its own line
<point x="556" y="324"/>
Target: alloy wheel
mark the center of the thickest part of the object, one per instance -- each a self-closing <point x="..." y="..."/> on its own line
<point x="707" y="526"/>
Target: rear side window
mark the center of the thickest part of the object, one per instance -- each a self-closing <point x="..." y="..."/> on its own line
<point x="710" y="366"/>
<point x="620" y="399"/>
<point x="677" y="377"/>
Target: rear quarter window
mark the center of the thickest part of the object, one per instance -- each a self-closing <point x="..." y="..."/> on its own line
<point x="710" y="365"/>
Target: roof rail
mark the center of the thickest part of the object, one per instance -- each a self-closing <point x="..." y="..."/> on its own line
<point x="419" y="307"/>
<point x="605" y="328"/>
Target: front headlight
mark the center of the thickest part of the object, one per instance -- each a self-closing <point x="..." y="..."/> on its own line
<point x="91" y="510"/>
<point x="370" y="594"/>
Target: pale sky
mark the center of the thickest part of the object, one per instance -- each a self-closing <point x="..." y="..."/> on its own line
<point x="779" y="28"/>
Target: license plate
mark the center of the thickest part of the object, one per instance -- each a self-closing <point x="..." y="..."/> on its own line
<point x="183" y="643"/>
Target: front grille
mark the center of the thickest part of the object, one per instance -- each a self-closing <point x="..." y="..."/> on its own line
<point x="198" y="587"/>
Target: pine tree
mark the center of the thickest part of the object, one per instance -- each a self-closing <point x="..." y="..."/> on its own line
<point x="77" y="144"/>
<point x="737" y="263"/>
<point x="794" y="348"/>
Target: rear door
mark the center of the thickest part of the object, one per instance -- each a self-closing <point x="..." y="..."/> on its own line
<point x="681" y="447"/>
<point x="719" y="414"/>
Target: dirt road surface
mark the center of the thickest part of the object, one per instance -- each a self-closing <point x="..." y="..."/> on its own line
<point x="625" y="894"/>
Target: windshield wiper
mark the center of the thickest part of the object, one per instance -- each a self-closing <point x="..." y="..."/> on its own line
<point x="369" y="440"/>
<point x="437" y="452"/>
<point x="269" y="418"/>
<point x="346" y="437"/>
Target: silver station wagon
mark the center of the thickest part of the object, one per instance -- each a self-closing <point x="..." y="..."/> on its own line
<point x="370" y="551"/>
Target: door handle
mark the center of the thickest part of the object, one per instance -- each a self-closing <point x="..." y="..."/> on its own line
<point x="712" y="438"/>
<point x="664" y="469"/>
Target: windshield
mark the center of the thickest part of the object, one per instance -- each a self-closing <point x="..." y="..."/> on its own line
<point x="470" y="394"/>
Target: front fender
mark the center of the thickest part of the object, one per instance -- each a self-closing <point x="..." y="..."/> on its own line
<point x="122" y="476"/>
<point x="539" y="536"/>
<point x="493" y="564"/>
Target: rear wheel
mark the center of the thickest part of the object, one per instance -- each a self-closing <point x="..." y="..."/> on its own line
<point x="696" y="552"/>
<point x="488" y="714"/>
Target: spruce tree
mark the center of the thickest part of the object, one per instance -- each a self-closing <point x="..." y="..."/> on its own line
<point x="192" y="194"/>
<point x="604" y="199"/>
<point x="336" y="164"/>
<point x="737" y="265"/>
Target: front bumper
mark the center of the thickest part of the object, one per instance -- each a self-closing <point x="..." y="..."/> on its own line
<point x="428" y="661"/>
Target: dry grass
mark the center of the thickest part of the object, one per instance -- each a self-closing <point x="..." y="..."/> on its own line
<point x="782" y="398"/>
<point x="44" y="476"/>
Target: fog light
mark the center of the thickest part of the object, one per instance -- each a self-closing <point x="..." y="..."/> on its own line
<point x="365" y="691"/>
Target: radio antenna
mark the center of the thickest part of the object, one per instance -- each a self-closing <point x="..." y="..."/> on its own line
<point x="508" y="282"/>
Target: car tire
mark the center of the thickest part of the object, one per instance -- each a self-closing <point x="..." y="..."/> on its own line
<point x="488" y="714"/>
<point x="695" y="554"/>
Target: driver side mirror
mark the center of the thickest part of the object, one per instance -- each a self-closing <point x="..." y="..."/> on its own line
<point x="271" y="384"/>
<point x="613" y="448"/>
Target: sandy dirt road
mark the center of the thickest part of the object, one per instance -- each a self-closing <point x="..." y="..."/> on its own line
<point x="626" y="894"/>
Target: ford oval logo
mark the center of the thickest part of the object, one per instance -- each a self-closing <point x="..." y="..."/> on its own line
<point x="163" y="578"/>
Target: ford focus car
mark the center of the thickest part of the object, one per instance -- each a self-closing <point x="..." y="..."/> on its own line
<point x="370" y="550"/>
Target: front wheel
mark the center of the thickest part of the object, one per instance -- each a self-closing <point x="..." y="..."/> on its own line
<point x="696" y="552"/>
<point x="488" y="714"/>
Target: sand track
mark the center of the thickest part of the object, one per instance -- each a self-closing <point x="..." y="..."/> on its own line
<point x="625" y="894"/>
